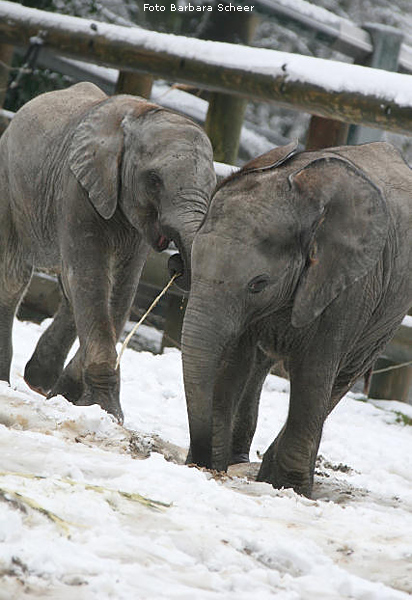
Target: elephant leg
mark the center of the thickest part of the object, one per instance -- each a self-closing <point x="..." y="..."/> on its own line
<point x="96" y="358"/>
<point x="126" y="279"/>
<point x="70" y="382"/>
<point x="47" y="362"/>
<point x="100" y="312"/>
<point x="246" y="411"/>
<point x="91" y="377"/>
<point x="15" y="274"/>
<point x="290" y="460"/>
<point x="98" y="371"/>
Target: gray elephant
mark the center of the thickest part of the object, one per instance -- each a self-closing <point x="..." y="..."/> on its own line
<point x="304" y="257"/>
<point x="88" y="184"/>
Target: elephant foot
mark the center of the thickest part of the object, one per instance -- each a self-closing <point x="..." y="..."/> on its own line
<point x="68" y="386"/>
<point x="282" y="472"/>
<point x="41" y="377"/>
<point x="239" y="457"/>
<point x="102" y="387"/>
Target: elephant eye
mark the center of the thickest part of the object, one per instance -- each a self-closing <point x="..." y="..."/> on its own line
<point x="257" y="284"/>
<point x="154" y="180"/>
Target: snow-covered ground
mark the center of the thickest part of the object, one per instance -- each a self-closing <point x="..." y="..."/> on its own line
<point x="90" y="509"/>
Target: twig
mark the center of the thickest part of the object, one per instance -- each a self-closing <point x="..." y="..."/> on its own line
<point x="153" y="321"/>
<point x="153" y="304"/>
<point x="400" y="366"/>
<point x="8" y="67"/>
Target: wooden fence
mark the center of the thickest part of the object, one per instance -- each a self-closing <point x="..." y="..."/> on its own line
<point x="271" y="76"/>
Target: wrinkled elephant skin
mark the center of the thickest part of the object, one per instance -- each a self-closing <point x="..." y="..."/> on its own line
<point x="306" y="258"/>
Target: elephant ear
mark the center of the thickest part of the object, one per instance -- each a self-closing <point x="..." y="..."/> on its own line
<point x="272" y="159"/>
<point x="345" y="220"/>
<point x="97" y="147"/>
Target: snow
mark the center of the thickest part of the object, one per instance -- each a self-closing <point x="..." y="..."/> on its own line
<point x="7" y="114"/>
<point x="407" y="321"/>
<point x="310" y="10"/>
<point x="74" y="525"/>
<point x="223" y="170"/>
<point x="332" y="75"/>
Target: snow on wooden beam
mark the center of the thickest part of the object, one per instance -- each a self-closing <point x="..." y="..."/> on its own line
<point x="337" y="32"/>
<point x="341" y="91"/>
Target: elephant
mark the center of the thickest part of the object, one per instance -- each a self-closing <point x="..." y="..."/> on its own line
<point x="303" y="257"/>
<point x="88" y="185"/>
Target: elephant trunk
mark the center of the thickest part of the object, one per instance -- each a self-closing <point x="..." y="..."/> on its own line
<point x="204" y="338"/>
<point x="181" y="262"/>
<point x="181" y="226"/>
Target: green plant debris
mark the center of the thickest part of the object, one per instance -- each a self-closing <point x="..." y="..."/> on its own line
<point x="22" y="501"/>
<point x="131" y="496"/>
<point x="402" y="418"/>
<point x="361" y="398"/>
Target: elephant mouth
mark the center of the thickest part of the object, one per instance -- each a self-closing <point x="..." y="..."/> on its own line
<point x="161" y="243"/>
<point x="159" y="240"/>
<point x="177" y="263"/>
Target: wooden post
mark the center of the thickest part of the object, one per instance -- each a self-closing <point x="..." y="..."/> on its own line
<point x="134" y="83"/>
<point x="225" y="114"/>
<point x="222" y="129"/>
<point x="387" y="43"/>
<point x="391" y="385"/>
<point x="324" y="133"/>
<point x="394" y="384"/>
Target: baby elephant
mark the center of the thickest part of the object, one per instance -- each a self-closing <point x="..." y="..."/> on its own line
<point x="88" y="184"/>
<point x="304" y="257"/>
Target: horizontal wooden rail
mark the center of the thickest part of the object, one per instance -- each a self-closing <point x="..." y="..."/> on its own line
<point x="338" y="33"/>
<point x="347" y="93"/>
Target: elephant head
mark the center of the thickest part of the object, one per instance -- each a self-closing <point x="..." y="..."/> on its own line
<point x="282" y="239"/>
<point x="153" y="164"/>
